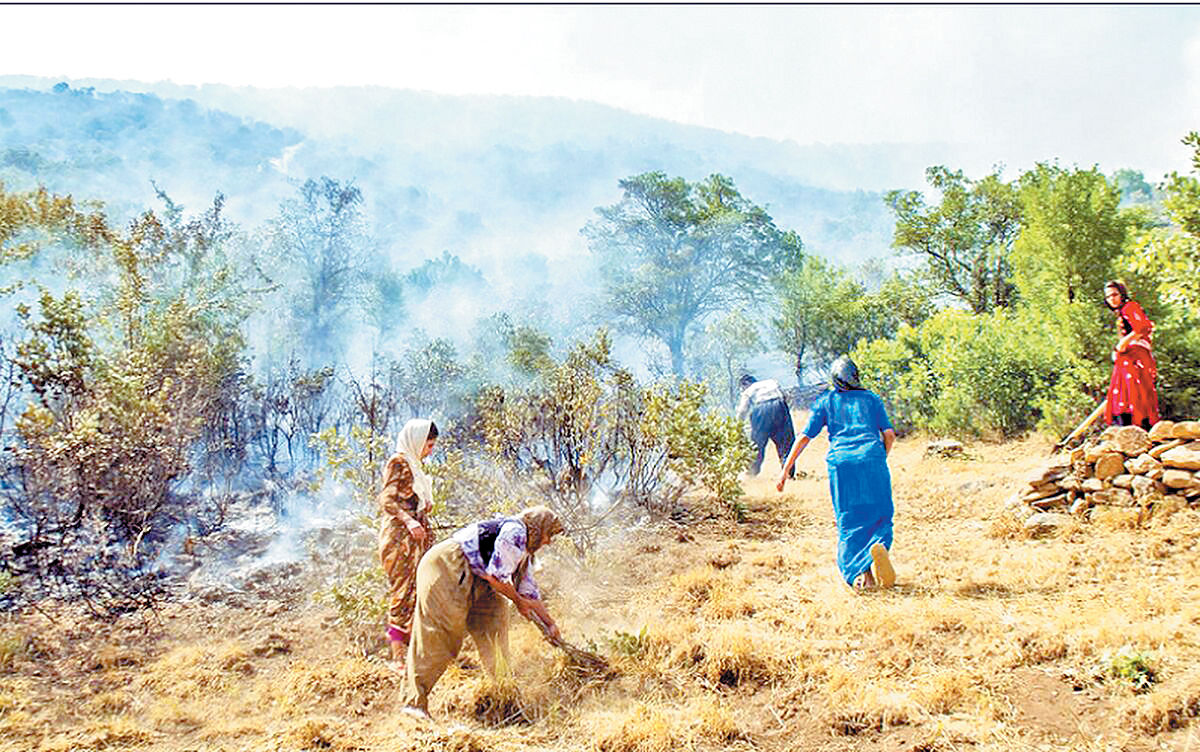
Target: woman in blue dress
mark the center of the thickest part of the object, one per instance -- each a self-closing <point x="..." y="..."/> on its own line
<point x="860" y="437"/>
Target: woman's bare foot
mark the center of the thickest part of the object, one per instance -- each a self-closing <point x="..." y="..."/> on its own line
<point x="864" y="581"/>
<point x="881" y="566"/>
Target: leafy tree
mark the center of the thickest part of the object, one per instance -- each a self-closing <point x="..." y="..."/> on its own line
<point x="321" y="239"/>
<point x="1072" y="232"/>
<point x="964" y="374"/>
<point x="448" y="270"/>
<point x="428" y="377"/>
<point x="1133" y="187"/>
<point x="725" y="345"/>
<point x="965" y="240"/>
<point x="824" y="312"/>
<point x="671" y="253"/>
<point x="1173" y="252"/>
<point x="124" y="371"/>
<point x="1167" y="258"/>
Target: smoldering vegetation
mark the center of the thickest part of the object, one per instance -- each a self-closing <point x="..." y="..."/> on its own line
<point x="217" y="324"/>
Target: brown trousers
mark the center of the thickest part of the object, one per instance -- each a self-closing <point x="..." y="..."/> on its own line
<point x="451" y="603"/>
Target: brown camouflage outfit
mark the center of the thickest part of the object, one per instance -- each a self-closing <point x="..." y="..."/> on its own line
<point x="398" y="550"/>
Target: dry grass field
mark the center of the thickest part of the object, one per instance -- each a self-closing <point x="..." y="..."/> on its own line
<point x="722" y="636"/>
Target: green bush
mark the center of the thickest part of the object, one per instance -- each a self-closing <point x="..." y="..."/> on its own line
<point x="1133" y="666"/>
<point x="962" y="373"/>
<point x="701" y="446"/>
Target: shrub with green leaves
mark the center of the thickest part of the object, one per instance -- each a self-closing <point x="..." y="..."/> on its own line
<point x="1136" y="667"/>
<point x="963" y="373"/>
<point x="701" y="446"/>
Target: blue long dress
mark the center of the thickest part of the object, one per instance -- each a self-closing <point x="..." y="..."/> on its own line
<point x="859" y="480"/>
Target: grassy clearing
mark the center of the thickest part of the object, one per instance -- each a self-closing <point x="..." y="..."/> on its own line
<point x="722" y="636"/>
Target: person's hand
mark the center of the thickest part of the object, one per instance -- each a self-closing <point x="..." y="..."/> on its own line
<point x="416" y="531"/>
<point x="552" y="631"/>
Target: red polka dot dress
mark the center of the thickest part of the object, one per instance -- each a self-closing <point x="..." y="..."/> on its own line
<point x="1131" y="389"/>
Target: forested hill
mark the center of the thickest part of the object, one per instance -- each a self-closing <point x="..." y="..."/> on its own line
<point x="483" y="177"/>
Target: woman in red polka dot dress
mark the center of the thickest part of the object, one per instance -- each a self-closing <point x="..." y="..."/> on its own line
<point x="1132" y="400"/>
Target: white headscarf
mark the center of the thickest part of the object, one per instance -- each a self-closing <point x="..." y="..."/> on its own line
<point x="409" y="445"/>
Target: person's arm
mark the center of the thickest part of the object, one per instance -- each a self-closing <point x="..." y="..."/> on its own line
<point x="797" y="448"/>
<point x="527" y="607"/>
<point x="889" y="438"/>
<point x="397" y="485"/>
<point x="509" y="553"/>
<point x="1124" y="342"/>
<point x="743" y="405"/>
<point x="1140" y="325"/>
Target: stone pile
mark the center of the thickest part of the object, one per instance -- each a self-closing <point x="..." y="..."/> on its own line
<point x="1126" y="467"/>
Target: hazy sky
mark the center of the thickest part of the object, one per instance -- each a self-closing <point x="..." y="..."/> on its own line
<point x="1114" y="85"/>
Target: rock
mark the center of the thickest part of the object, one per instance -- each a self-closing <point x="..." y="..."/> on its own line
<point x="1130" y="440"/>
<point x="1175" y="478"/>
<point x="1077" y="455"/>
<point x="1092" y="484"/>
<point x="944" y="448"/>
<point x="1080" y="506"/>
<point x="1113" y="497"/>
<point x="1188" y="429"/>
<point x="1161" y="449"/>
<point x="1096" y="451"/>
<point x="1070" y="483"/>
<point x="1044" y="523"/>
<point x="1123" y="481"/>
<point x="1143" y="464"/>
<point x="1186" y="457"/>
<point x="1041" y="492"/>
<point x="1046" y="475"/>
<point x="1108" y="433"/>
<point x="1146" y="488"/>
<point x="1156" y="473"/>
<point x="1050" y="502"/>
<point x="1161" y="431"/>
<point x="1110" y="464"/>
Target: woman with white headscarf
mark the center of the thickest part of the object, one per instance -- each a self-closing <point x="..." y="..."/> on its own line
<point x="404" y="535"/>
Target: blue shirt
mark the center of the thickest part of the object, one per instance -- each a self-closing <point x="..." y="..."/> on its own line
<point x="855" y="418"/>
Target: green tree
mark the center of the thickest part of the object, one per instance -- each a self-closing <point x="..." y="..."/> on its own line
<point x="1172" y="253"/>
<point x="1167" y="258"/>
<point x="965" y="240"/>
<point x="671" y="253"/>
<point x="321" y="239"/>
<point x="726" y="344"/>
<point x="125" y="369"/>
<point x="1072" y="232"/>
<point x="824" y="312"/>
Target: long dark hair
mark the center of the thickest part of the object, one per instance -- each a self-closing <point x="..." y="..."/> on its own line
<point x="1119" y="287"/>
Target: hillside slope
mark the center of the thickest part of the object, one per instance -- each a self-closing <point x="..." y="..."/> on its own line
<point x="723" y="636"/>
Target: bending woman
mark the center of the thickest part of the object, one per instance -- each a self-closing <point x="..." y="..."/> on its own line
<point x="860" y="437"/>
<point x="404" y="501"/>
<point x="464" y="584"/>
<point x="1132" y="399"/>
